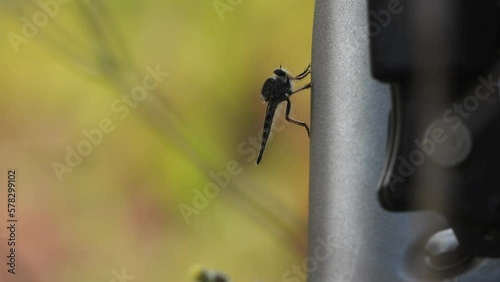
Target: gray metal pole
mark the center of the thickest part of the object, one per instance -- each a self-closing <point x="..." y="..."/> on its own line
<point x="351" y="238"/>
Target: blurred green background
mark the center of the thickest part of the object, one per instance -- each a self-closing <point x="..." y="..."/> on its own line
<point x="118" y="207"/>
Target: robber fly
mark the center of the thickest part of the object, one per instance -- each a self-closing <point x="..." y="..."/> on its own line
<point x="275" y="90"/>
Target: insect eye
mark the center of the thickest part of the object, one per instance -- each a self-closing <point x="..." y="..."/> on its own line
<point x="279" y="72"/>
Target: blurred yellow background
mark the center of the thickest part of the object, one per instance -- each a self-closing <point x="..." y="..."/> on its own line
<point x="122" y="199"/>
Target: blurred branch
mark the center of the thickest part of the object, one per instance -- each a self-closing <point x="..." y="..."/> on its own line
<point x="106" y="55"/>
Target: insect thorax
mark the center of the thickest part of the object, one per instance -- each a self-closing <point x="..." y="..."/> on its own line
<point x="276" y="88"/>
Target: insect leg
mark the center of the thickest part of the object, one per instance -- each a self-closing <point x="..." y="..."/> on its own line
<point x="303" y="74"/>
<point x="297" y="122"/>
<point x="268" y="121"/>
<point x="300" y="89"/>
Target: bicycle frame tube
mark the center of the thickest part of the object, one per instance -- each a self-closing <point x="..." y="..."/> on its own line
<point x="351" y="238"/>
